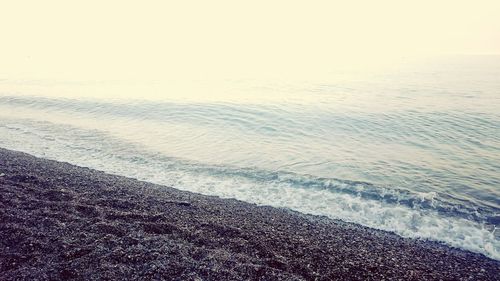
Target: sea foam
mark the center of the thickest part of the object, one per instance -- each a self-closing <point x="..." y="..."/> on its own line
<point x="409" y="214"/>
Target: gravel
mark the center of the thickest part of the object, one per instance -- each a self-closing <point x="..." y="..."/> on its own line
<point x="63" y="222"/>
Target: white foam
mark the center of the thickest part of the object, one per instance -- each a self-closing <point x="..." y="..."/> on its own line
<point x="403" y="220"/>
<point x="278" y="192"/>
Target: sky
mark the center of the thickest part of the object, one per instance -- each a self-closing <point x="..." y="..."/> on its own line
<point x="159" y="40"/>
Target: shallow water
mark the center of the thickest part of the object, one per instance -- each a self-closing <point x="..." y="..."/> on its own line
<point x="415" y="150"/>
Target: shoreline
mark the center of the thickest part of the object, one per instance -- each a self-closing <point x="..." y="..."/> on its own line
<point x="60" y="221"/>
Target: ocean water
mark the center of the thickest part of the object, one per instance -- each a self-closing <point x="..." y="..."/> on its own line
<point x="414" y="149"/>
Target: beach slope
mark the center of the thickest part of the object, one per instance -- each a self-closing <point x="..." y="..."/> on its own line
<point x="61" y="222"/>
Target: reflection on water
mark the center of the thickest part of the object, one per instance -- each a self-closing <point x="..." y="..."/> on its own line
<point x="416" y="151"/>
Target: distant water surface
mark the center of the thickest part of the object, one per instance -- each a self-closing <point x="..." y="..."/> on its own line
<point x="415" y="150"/>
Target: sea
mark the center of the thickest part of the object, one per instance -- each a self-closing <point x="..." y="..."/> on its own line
<point x="413" y="149"/>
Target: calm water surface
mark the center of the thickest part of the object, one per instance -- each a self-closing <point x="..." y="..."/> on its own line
<point x="414" y="150"/>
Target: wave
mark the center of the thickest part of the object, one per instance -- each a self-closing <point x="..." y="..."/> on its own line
<point x="424" y="215"/>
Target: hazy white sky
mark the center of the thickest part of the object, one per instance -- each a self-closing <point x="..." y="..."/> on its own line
<point x="221" y="39"/>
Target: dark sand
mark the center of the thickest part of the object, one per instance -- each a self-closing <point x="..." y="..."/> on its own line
<point x="59" y="221"/>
